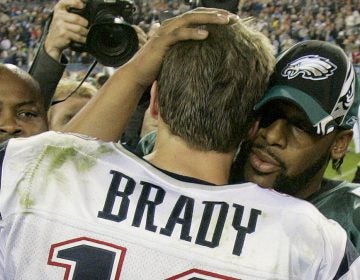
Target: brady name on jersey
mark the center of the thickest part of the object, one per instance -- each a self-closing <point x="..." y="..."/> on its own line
<point x="208" y="226"/>
<point x="86" y="209"/>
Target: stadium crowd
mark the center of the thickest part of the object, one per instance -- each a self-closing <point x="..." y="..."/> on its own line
<point x="283" y="21"/>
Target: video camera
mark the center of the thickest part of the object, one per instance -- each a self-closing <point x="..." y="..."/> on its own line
<point x="111" y="38"/>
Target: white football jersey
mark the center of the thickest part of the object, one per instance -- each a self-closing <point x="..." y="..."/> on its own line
<point x="75" y="208"/>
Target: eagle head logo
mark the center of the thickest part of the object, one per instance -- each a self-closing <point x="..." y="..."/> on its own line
<point x="311" y="67"/>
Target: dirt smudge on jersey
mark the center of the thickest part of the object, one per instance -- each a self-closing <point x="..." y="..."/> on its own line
<point x="51" y="167"/>
<point x="26" y="201"/>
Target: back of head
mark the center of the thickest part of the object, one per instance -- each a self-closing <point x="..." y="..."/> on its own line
<point x="207" y="89"/>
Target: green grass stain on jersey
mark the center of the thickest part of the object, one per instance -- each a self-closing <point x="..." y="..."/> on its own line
<point x="49" y="165"/>
<point x="26" y="201"/>
<point x="58" y="156"/>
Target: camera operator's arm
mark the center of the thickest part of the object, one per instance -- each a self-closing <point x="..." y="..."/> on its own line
<point x="50" y="63"/>
<point x="131" y="134"/>
<point x="106" y="114"/>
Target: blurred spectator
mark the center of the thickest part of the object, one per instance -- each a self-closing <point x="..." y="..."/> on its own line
<point x="21" y="21"/>
<point x="61" y="113"/>
<point x="101" y="78"/>
<point x="356" y="56"/>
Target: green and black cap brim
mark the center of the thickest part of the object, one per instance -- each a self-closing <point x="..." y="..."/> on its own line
<point x="313" y="110"/>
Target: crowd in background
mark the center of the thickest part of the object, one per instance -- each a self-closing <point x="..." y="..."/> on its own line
<point x="21" y="25"/>
<point x="283" y="21"/>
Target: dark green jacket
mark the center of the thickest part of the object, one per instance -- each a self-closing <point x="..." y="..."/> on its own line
<point x="340" y="201"/>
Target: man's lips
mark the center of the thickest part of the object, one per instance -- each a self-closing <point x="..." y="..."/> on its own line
<point x="263" y="162"/>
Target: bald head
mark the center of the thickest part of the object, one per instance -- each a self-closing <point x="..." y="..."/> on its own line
<point x="23" y="77"/>
<point x="22" y="110"/>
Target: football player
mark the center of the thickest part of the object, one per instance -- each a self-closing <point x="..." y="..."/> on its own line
<point x="75" y="208"/>
<point x="305" y="121"/>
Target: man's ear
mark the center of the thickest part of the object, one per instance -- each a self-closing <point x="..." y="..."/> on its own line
<point x="341" y="144"/>
<point x="154" y="111"/>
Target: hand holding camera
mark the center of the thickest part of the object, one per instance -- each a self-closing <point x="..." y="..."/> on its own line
<point x="65" y="28"/>
<point x="100" y="27"/>
<point x="111" y="38"/>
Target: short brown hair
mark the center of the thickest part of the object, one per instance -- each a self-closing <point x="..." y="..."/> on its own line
<point x="207" y="89"/>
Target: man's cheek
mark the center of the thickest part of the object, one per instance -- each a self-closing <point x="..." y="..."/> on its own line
<point x="253" y="131"/>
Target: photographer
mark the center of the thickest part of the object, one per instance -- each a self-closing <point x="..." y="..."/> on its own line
<point x="66" y="28"/>
<point x="50" y="63"/>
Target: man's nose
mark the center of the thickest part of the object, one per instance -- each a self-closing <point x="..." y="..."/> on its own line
<point x="275" y="133"/>
<point x="9" y="125"/>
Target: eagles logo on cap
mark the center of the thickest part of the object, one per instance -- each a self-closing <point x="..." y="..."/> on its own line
<point x="311" y="67"/>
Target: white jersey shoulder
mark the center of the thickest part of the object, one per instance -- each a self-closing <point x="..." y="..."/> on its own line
<point x="75" y="208"/>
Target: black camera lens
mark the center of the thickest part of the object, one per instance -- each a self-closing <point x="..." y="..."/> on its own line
<point x="112" y="44"/>
<point x="114" y="39"/>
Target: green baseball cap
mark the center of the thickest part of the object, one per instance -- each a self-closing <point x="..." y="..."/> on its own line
<point x="319" y="78"/>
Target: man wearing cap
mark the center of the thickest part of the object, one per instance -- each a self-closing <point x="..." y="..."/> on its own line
<point x="305" y="119"/>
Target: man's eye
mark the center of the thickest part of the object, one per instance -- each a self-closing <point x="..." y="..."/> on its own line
<point x="267" y="119"/>
<point x="27" y="114"/>
<point x="304" y="127"/>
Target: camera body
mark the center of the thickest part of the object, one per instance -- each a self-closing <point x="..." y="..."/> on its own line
<point x="95" y="9"/>
<point x="111" y="38"/>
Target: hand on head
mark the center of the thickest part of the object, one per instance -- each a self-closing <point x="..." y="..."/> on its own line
<point x="147" y="61"/>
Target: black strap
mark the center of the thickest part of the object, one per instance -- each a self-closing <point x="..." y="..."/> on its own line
<point x="79" y="85"/>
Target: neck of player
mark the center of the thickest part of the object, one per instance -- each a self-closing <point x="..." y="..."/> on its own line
<point x="173" y="154"/>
